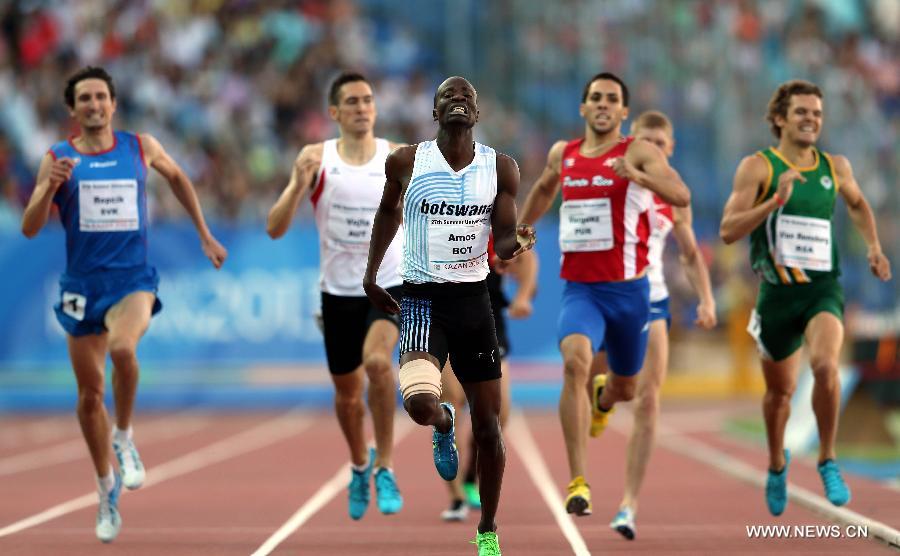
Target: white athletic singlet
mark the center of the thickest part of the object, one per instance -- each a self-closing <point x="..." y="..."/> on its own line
<point x="662" y="222"/>
<point x="344" y="201"/>
<point x="447" y="217"/>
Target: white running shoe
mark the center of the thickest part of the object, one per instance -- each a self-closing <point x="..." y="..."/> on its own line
<point x="458" y="511"/>
<point x="624" y="523"/>
<point x="130" y="465"/>
<point x="109" y="522"/>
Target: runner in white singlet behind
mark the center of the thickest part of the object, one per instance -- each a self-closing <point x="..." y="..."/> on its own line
<point x="654" y="127"/>
<point x="346" y="177"/>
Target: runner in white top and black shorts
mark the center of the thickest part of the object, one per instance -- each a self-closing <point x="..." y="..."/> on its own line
<point x="450" y="194"/>
<point x="346" y="176"/>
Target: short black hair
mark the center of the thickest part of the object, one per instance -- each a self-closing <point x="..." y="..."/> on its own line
<point x="87" y="72"/>
<point x="609" y="77"/>
<point x="438" y="90"/>
<point x="340" y="81"/>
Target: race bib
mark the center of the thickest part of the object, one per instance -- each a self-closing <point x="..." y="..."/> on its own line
<point x="585" y="225"/>
<point x="803" y="242"/>
<point x="452" y="245"/>
<point x="350" y="228"/>
<point x="73" y="304"/>
<point x="108" y="205"/>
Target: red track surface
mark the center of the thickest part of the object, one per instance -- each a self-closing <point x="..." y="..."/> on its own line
<point x="231" y="499"/>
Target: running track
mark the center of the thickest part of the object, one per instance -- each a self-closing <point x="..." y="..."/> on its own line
<point x="274" y="484"/>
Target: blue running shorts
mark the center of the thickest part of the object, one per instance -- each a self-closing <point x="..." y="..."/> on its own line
<point x="658" y="310"/>
<point x="84" y="300"/>
<point x="611" y="314"/>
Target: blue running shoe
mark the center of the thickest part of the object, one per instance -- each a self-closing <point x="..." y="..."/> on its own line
<point x="386" y="492"/>
<point x="446" y="457"/>
<point x="358" y="490"/>
<point x="109" y="522"/>
<point x="776" y="487"/>
<point x="836" y="489"/>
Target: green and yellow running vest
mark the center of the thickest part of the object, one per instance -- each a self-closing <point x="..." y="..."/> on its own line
<point x="795" y="244"/>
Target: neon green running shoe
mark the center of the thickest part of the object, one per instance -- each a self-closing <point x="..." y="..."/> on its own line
<point x="488" y="544"/>
<point x="473" y="496"/>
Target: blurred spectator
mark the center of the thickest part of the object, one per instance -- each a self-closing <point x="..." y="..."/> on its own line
<point x="235" y="87"/>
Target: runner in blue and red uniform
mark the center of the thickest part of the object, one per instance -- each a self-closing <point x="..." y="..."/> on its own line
<point x="608" y="182"/>
<point x="97" y="179"/>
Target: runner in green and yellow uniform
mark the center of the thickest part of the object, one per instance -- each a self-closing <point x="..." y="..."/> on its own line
<point x="784" y="199"/>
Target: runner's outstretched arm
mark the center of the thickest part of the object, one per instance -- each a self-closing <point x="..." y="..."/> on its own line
<point x="158" y="159"/>
<point x="742" y="215"/>
<point x="51" y="175"/>
<point x="861" y="214"/>
<point x="543" y="192"/>
<point x="694" y="266"/>
<point x="303" y="174"/>
<point x="503" y="217"/>
<point x="397" y="170"/>
<point x="646" y="165"/>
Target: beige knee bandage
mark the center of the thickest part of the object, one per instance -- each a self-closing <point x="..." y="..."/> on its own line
<point x="420" y="376"/>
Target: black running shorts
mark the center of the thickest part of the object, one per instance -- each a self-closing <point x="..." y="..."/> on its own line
<point x="451" y="320"/>
<point x="346" y="321"/>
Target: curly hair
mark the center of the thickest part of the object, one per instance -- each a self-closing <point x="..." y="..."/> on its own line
<point x="781" y="99"/>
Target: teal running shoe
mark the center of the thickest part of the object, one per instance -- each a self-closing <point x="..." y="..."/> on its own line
<point x="109" y="522"/>
<point x="473" y="496"/>
<point x="776" y="487"/>
<point x="386" y="492"/>
<point x="446" y="456"/>
<point x="836" y="489"/>
<point x="358" y="490"/>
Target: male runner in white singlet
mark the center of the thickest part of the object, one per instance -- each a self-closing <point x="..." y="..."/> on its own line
<point x="346" y="176"/>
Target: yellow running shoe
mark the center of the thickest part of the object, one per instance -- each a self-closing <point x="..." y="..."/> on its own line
<point x="599" y="418"/>
<point x="578" y="501"/>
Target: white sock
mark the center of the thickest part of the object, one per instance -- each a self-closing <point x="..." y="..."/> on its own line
<point x="107" y="483"/>
<point x="361" y="468"/>
<point x="120" y="436"/>
<point x="380" y="467"/>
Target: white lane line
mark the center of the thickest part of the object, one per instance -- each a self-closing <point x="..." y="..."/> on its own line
<point x="252" y="439"/>
<point x="322" y="497"/>
<point x="706" y="454"/>
<point x="71" y="450"/>
<point x="523" y="442"/>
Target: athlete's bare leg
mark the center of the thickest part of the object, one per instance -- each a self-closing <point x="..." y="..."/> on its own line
<point x="574" y="401"/>
<point x="127" y="321"/>
<point x="485" y="401"/>
<point x="781" y="381"/>
<point x="88" y="356"/>
<point x="505" y="393"/>
<point x="646" y="411"/>
<point x="619" y="388"/>
<point x="377" y="348"/>
<point x="350" y="410"/>
<point x="425" y="409"/>
<point x="824" y="336"/>
<point x="452" y="392"/>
